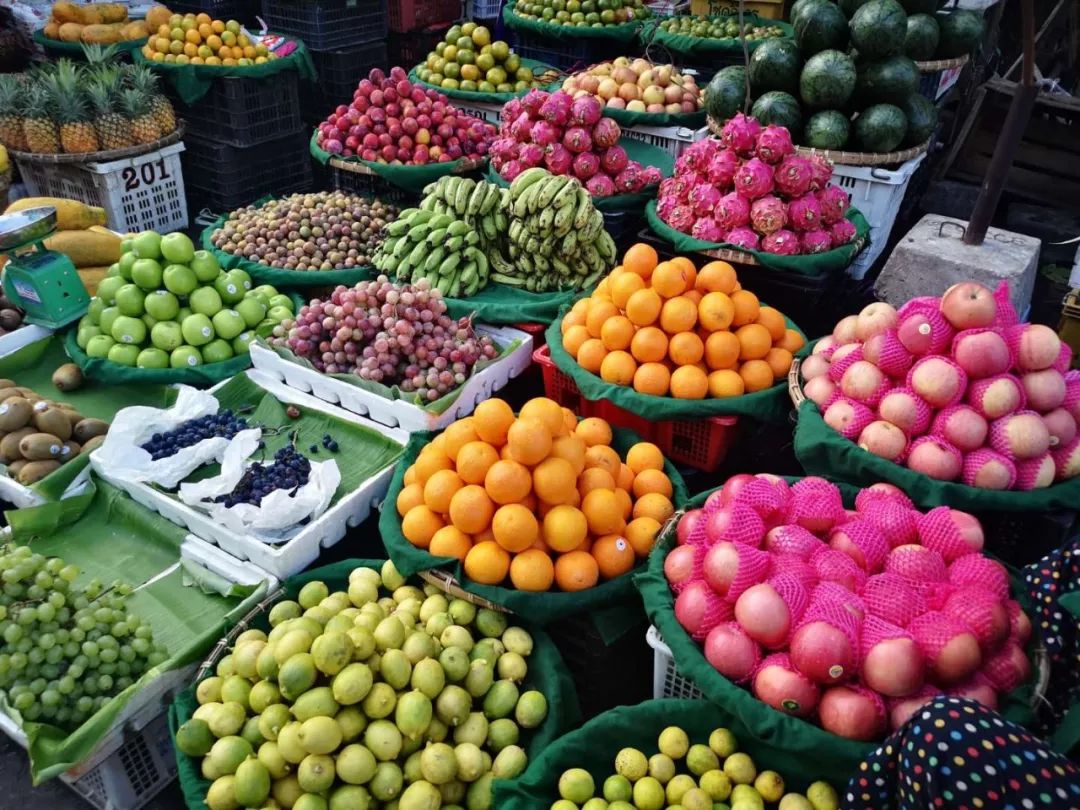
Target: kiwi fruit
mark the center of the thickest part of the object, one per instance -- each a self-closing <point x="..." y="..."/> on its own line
<point x="34" y="471"/>
<point x="40" y="447"/>
<point x="53" y="420"/>
<point x="93" y="444"/>
<point x="15" y="467"/>
<point x="14" y="414"/>
<point x="73" y="416"/>
<point x="10" y="393"/>
<point x="6" y="383"/>
<point x="9" y="445"/>
<point x="88" y="429"/>
<point x="68" y="377"/>
<point x="69" y="451"/>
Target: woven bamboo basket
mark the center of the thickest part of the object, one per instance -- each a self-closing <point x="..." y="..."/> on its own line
<point x="106" y="155"/>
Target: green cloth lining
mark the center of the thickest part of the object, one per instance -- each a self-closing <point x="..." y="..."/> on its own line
<point x="624" y="33"/>
<point x="707" y="47"/>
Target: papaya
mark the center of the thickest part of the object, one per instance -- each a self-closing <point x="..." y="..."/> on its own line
<point x="65" y="12"/>
<point x="113" y="13"/>
<point x="100" y="34"/>
<point x="157" y="16"/>
<point x="90" y="15"/>
<point x="86" y="248"/>
<point x="70" y="32"/>
<point x="71" y="215"/>
<point x="134" y="30"/>
<point x="52" y="29"/>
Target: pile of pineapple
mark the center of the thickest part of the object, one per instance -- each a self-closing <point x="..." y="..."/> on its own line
<point x="75" y="108"/>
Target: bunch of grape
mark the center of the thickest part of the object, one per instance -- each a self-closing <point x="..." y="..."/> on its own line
<point x="289" y="470"/>
<point x="394" y="334"/>
<point x="223" y="423"/>
<point x="65" y="650"/>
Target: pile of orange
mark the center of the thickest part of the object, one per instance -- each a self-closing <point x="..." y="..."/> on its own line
<point x="539" y="499"/>
<point x="197" y="39"/>
<point x="670" y="329"/>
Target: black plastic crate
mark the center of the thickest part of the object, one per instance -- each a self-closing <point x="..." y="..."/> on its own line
<point x="370" y="186"/>
<point x="340" y="71"/>
<point x="411" y="49"/>
<point x="327" y="24"/>
<point x="244" y="112"/>
<point x="567" y="54"/>
<point x="243" y="11"/>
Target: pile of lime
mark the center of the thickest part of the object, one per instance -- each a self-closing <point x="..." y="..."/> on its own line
<point x="467" y="59"/>
<point x="719" y="28"/>
<point x="384" y="695"/>
<point x="688" y="776"/>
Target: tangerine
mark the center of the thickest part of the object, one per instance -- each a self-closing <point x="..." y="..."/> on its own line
<point x="570" y="420"/>
<point x="554" y="481"/>
<point x="564" y="528"/>
<point x="603" y="511"/>
<point x="515" y="527"/>
<point x="529" y="441"/>
<point x="532" y="570"/>
<point x="643" y="307"/>
<point x="599" y="312"/>
<point x="653" y="379"/>
<point x="689" y="382"/>
<point x="654" y="505"/>
<point x="573" y="338"/>
<point x="640" y="259"/>
<point x="572" y="450"/>
<point x="773" y="320"/>
<point x="580" y="307"/>
<point x="594" y="478"/>
<point x="440" y="488"/>
<point x="547" y="411"/>
<point x="410" y="476"/>
<point x="413" y="495"/>
<point x="688" y="270"/>
<point x="419" y="525"/>
<point x="716" y="277"/>
<point x="593" y="431"/>
<point x="491" y="419"/>
<point x="641" y="534"/>
<point x="649" y="345"/>
<point x="486" y="536"/>
<point x="648" y="481"/>
<point x="471" y="509"/>
<point x="623" y="287"/>
<point x="726" y="383"/>
<point x="576" y="571"/>
<point x="601" y="292"/>
<point x="457" y="435"/>
<point x="450" y="541"/>
<point x="754" y="341"/>
<point x="746" y="307"/>
<point x="685" y="349"/>
<point x="722" y="350"/>
<point x="715" y="311"/>
<point x="679" y="314"/>
<point x="618" y="368"/>
<point x="474" y="460"/>
<point x="591" y="355"/>
<point x="669" y="279"/>
<point x="792" y="341"/>
<point x="614" y="556"/>
<point x="605" y="458"/>
<point x="779" y="361"/>
<point x="487" y="563"/>
<point x="644" y="456"/>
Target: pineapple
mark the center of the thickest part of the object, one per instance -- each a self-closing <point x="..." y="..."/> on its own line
<point x="11" y="122"/>
<point x="111" y="126"/>
<point x="136" y="107"/>
<point x="71" y="110"/>
<point x="145" y="80"/>
<point x="38" y="126"/>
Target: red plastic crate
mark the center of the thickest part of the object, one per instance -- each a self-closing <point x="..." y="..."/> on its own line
<point x="537" y="331"/>
<point x="409" y="15"/>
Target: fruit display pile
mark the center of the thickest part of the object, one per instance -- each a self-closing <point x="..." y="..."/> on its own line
<point x="391" y="121"/>
<point x="750" y="190"/>
<point x="466" y="59"/>
<point x="586" y="14"/>
<point x="198" y="39"/>
<point x="567" y="136"/>
<point x="636" y="85"/>
<point x="98" y="23"/>
<point x="954" y="388"/>
<point x="862" y="616"/>
<point x="688" y="776"/>
<point x="668" y="329"/>
<point x="166" y="304"/>
<point x="394" y="334"/>
<point x="67" y="648"/>
<point x="384" y="695"/>
<point x="719" y="28"/>
<point x="505" y="495"/>
<point x="326" y="230"/>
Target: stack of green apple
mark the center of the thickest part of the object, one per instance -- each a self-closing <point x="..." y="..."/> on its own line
<point x="165" y="304"/>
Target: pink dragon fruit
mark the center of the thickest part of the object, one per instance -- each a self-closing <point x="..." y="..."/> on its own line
<point x="665" y="205"/>
<point x="793" y="176"/>
<point x="543" y="133"/>
<point x="721" y="168"/>
<point x="629" y="181"/>
<point x="504" y="148"/>
<point x="556" y="108"/>
<point x="520" y="128"/>
<point x="600" y="185"/>
<point x="606" y="133"/>
<point x="651" y="175"/>
<point x="576" y="139"/>
<point x="782" y="243"/>
<point x="842" y="233"/>
<point x="698" y="157"/>
<point x="732" y="211"/>
<point x="805" y="213"/>
<point x="682" y="164"/>
<point x="668" y="188"/>
<point x="704" y="199"/>
<point x="585" y="165"/>
<point x="512" y="109"/>
<point x="818" y="241"/>
<point x="614" y="160"/>
<point x="531" y="155"/>
<point x="706" y="229"/>
<point x="557" y="158"/>
<point x="774" y="144"/>
<point x="754" y="178"/>
<point x="512" y="170"/>
<point x="682" y="218"/>
<point x="679" y="187"/>
<point x="821" y="172"/>
<point x="740" y="133"/>
<point x="585" y="111"/>
<point x="532" y="101"/>
<point x="743" y="238"/>
<point x="833" y="201"/>
<point x="768" y="215"/>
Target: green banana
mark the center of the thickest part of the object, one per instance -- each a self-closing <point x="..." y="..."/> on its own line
<point x="476" y="199"/>
<point x="449" y="264"/>
<point x="418" y="233"/>
<point x="472" y="238"/>
<point x="461" y="196"/>
<point x="455" y="243"/>
<point x="564" y="220"/>
<point x="436" y="236"/>
<point x="397" y="227"/>
<point x="468" y="273"/>
<point x="457" y="228"/>
<point x="492" y="197"/>
<point x="605" y="246"/>
<point x="593" y="227"/>
<point x="551" y="189"/>
<point x="434" y="259"/>
<point x="400" y="248"/>
<point x="516" y="227"/>
<point x="583" y="209"/>
<point x="521" y="203"/>
<point x="569" y="244"/>
<point x="487" y="225"/>
<point x="418" y="216"/>
<point x="567" y="195"/>
<point x="547" y="218"/>
<point x="525" y="180"/>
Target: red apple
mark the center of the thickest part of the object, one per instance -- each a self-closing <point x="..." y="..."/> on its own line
<point x="968" y="305"/>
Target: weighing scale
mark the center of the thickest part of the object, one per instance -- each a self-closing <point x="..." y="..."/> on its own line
<point x="41" y="282"/>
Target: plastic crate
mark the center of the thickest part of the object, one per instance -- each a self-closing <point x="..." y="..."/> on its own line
<point x="339" y="71"/>
<point x="144" y="193"/>
<point x="536" y="330"/>
<point x="244" y="112"/>
<point x="370" y="186"/>
<point x="673" y="140"/>
<point x="483" y="9"/>
<point x="667" y="682"/>
<point x="565" y="54"/>
<point x="244" y="11"/>
<point x="327" y="24"/>
<point x="411" y="15"/>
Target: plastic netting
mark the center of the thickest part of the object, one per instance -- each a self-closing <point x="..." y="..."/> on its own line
<point x="861" y="416"/>
<point x="897" y="523"/>
<point x="876" y="630"/>
<point x="935" y="325"/>
<point x="978" y="462"/>
<point x="938" y="531"/>
<point x="993" y="398"/>
<point x="794" y="540"/>
<point x="836" y="566"/>
<point x="837" y="367"/>
<point x="978" y="610"/>
<point x="869" y="540"/>
<point x="962" y="380"/>
<point x="941" y="443"/>
<point x="975" y="569"/>
<point x="734" y="627"/>
<point x="972" y="332"/>
<point x="816" y="504"/>
<point x="933" y="630"/>
<point x="894" y="495"/>
<point x="1005" y="316"/>
<point x="1064" y="358"/>
<point x="745" y="526"/>
<point x="798" y="568"/>
<point x="768" y="498"/>
<point x="1003" y="431"/>
<point x="944" y="420"/>
<point x="1072" y="392"/>
<point x="893" y="358"/>
<point x="837" y="607"/>
<point x="792" y="589"/>
<point x="753" y="568"/>
<point x="699" y="556"/>
<point x="917" y="564"/>
<point x="1035" y="473"/>
<point x="1004" y="670"/>
<point x="890" y="597"/>
<point x="717" y="611"/>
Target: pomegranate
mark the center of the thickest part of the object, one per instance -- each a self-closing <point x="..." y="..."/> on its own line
<point x="822" y="652"/>
<point x="968" y="305"/>
<point x="731" y="652"/>
<point x="763" y="615"/>
<point x="779" y="685"/>
<point x="852" y="712"/>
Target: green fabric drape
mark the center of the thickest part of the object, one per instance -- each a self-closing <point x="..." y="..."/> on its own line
<point x="624" y="33"/>
<point x="74" y="49"/>
<point x="486" y="98"/>
<point x="629" y="118"/>
<point x="707" y="47"/>
<point x="501" y="304"/>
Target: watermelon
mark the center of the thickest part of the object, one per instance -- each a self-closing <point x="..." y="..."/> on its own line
<point x="961" y="32"/>
<point x="887" y="81"/>
<point x="726" y="93"/>
<point x="878" y="29"/>
<point x="920" y="6"/>
<point x="849" y="7"/>
<point x="821" y="27"/>
<point x="827" y="80"/>
<point x="922" y="118"/>
<point x="780" y="108"/>
<point x="921" y="42"/>
<point x="880" y="128"/>
<point x="798" y="6"/>
<point x="828" y="129"/>
<point x="774" y="65"/>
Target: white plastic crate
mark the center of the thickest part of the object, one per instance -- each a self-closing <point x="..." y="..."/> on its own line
<point x="395" y="412"/>
<point x="483" y="9"/>
<point x="138" y="193"/>
<point x="877" y="193"/>
<point x="479" y="109"/>
<point x="673" y="140"/>
<point x="667" y="682"/>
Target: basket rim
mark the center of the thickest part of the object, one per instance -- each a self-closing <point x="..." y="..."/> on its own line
<point x="934" y="65"/>
<point x="794" y="383"/>
<point x="357" y="166"/>
<point x="105" y="155"/>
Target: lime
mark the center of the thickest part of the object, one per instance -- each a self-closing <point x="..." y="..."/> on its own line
<point x="632" y="764"/>
<point x="674" y="742"/>
<point x="576" y="785"/>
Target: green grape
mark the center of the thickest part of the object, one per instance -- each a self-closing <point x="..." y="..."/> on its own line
<point x="141" y="646"/>
<point x="119" y="629"/>
<point x="123" y="668"/>
<point x="35" y="592"/>
<point x="46" y="641"/>
<point x="127" y="653"/>
<point x="107" y="669"/>
<point x="27" y="616"/>
<point x="144" y="632"/>
<point x="37" y="686"/>
<point x="123" y="683"/>
<point x="36" y="656"/>
<point x="12" y="633"/>
<point x="44" y="580"/>
<point x="51" y="671"/>
<point x="69" y="573"/>
<point x="51" y="699"/>
<point x="34" y="713"/>
<point x="18" y="661"/>
<point x="108" y="643"/>
<point x="54" y="565"/>
<point x="109" y="655"/>
<point x="84" y="705"/>
<point x="71" y="649"/>
<point x="54" y="655"/>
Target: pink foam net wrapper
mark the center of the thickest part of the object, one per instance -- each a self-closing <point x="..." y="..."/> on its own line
<point x="1000" y="670"/>
<point x="717" y="611"/>
<point x="932" y="631"/>
<point x="754" y="566"/>
<point x="699" y="535"/>
<point x="869" y="539"/>
<point x="960" y="389"/>
<point x="699" y="556"/>
<point x="977" y="392"/>
<point x="890" y="597"/>
<point x="1065" y="458"/>
<point x="766" y="497"/>
<point x="975" y="569"/>
<point x="1032" y="473"/>
<point x="924" y="414"/>
<point x="897" y="523"/>
<point x="872" y="399"/>
<point x="935" y="594"/>
<point x="1064" y="358"/>
<point x="999" y="439"/>
<point x="917" y="564"/>
<point x="793" y="540"/>
<point x="930" y="308"/>
<point x="976" y="460"/>
<point x="745" y="527"/>
<point x="796" y="567"/>
<point x="835" y="614"/>
<point x="938" y="531"/>
<point x="816" y="504"/>
<point x="870" y="494"/>
<point x="840" y="596"/>
<point x="976" y="609"/>
<point x="875" y="698"/>
<point x="893" y="358"/>
<point x="941" y="442"/>
<point x="1072" y="392"/>
<point x="838" y="367"/>
<point x="793" y="591"/>
<point x="1005" y="316"/>
<point x="836" y="566"/>
<point x="875" y="630"/>
<point x="996" y="330"/>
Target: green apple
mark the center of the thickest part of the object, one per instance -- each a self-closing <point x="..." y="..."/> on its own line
<point x="150" y="321"/>
<point x="265" y="326"/>
<point x="99" y="345"/>
<point x="228" y="324"/>
<point x="147" y="274"/>
<point x="230" y="290"/>
<point x="167" y="335"/>
<point x="242" y="343"/>
<point x="252" y="309"/>
<point x="197" y="329"/>
<point x="205" y="265"/>
<point x="278" y="314"/>
<point x="281" y="301"/>
<point x="183" y="313"/>
<point x="85" y="333"/>
<point x="127" y="261"/>
<point x="108" y="316"/>
<point x="162" y="305"/>
<point x="268" y="291"/>
<point x="107" y="288"/>
<point x="124" y="355"/>
<point x="185" y="356"/>
<point x="216" y="351"/>
<point x="126" y="245"/>
<point x="126" y="329"/>
<point x="129" y="300"/>
<point x="147" y="245"/>
<point x="179" y="279"/>
<point x="114" y="270"/>
<point x="152" y="358"/>
<point x="94" y="310"/>
<point x="205" y="301"/>
<point x="177" y="248"/>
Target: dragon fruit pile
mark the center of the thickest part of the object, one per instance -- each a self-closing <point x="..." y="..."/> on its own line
<point x="954" y="388"/>
<point x="750" y="190"/>
<point x="390" y="120"/>
<point x="567" y="136"/>
<point x="850" y="618"/>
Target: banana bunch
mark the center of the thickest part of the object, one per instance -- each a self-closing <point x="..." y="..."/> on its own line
<point x="556" y="236"/>
<point x="479" y="203"/>
<point x="440" y="247"/>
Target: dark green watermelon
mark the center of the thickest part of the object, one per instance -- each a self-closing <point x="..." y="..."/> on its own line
<point x="922" y="118"/>
<point x="821" y="27"/>
<point x="828" y="129"/>
<point x="827" y="80"/>
<point x="798" y="6"/>
<point x="920" y="6"/>
<point x="880" y="128"/>
<point x="878" y="29"/>
<point x="780" y="108"/>
<point x="886" y="81"/>
<point x="849" y="7"/>
<point x="961" y="33"/>
<point x="921" y="42"/>
<point x="726" y="93"/>
<point x="774" y="65"/>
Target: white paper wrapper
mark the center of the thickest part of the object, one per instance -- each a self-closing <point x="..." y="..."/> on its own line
<point x="121" y="455"/>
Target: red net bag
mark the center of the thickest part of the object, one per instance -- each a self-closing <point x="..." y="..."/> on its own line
<point x="939" y="532"/>
<point x="816" y="504"/>
<point x="916" y="563"/>
<point x="873" y="493"/>
<point x="838" y="367"/>
<point x="985" y="467"/>
<point x="1019" y="624"/>
<point x="1005" y="317"/>
<point x="897" y="523"/>
<point x="836" y="566"/>
<point x="867" y="538"/>
<point x="891" y="597"/>
<point x="745" y="526"/>
<point x="893" y="358"/>
<point x="997" y="396"/>
<point x="794" y="591"/>
<point x="981" y="612"/>
<point x="792" y="539"/>
<point x="932" y="631"/>
<point x="975" y="569"/>
<point x="932" y="325"/>
<point x="936" y="594"/>
<point x="754" y="566"/>
<point x="875" y="630"/>
<point x="1007" y="668"/>
<point x="907" y="410"/>
<point x="1035" y="473"/>
<point x="766" y="497"/>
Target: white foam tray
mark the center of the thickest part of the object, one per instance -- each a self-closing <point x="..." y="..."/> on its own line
<point x="398" y="413"/>
<point x="304" y="546"/>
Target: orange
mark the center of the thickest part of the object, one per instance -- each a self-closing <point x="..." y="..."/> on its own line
<point x="599" y="312"/>
<point x="601" y="292"/>
<point x="572" y="450"/>
<point x="640" y="259"/>
<point x="654" y="505"/>
<point x="754" y="341"/>
<point x="618" y="368"/>
<point x="504" y="453"/>
<point x="431" y="460"/>
<point x="529" y="441"/>
<point x="678" y="315"/>
<point x="648" y="481"/>
<point x="594" y="478"/>
<point x="570" y="420"/>
<point x="792" y="341"/>
<point x="685" y="349"/>
<point x="626" y="503"/>
<point x="471" y="509"/>
<point x="641" y="534"/>
<point x="203" y="18"/>
<point x="726" y="383"/>
<point x="565" y="528"/>
<point x="670" y="279"/>
<point x="605" y="458"/>
<point x="547" y="411"/>
<point x="573" y="338"/>
<point x="554" y="481"/>
<point x="644" y="307"/>
<point x="411" y="495"/>
<point x="450" y="541"/>
<point x="474" y="460"/>
<point x="410" y="476"/>
<point x="757" y="375"/>
<point x="439" y="443"/>
<point x="617" y="332"/>
<point x="574" y="317"/>
<point x="722" y="350"/>
<point x="779" y="361"/>
<point x="623" y="287"/>
<point x="515" y="527"/>
<point x="440" y="488"/>
<point x="773" y="320"/>
<point x="419" y="525"/>
<point x="532" y="570"/>
<point x="602" y="511"/>
<point x="715" y="311"/>
<point x="593" y="431"/>
<point x="487" y="563"/>
<point x="193" y="37"/>
<point x="649" y="345"/>
<point x="716" y="277"/>
<point x="486" y="536"/>
<point x="540" y="545"/>
<point x="586" y="545"/>
<point x="580" y="307"/>
<point x="457" y="435"/>
<point x="746" y="307"/>
<point x="653" y="379"/>
<point x="614" y="556"/>
<point x="625" y="478"/>
<point x="644" y="456"/>
<point x="693" y="296"/>
<point x="689" y="382"/>
<point x="491" y="419"/>
<point x="688" y="270"/>
<point x="576" y="571"/>
<point x="591" y="355"/>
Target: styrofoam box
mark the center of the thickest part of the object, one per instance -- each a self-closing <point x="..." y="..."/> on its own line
<point x="667" y="682"/>
<point x="673" y="140"/>
<point x="395" y="412"/>
<point x="303" y="547"/>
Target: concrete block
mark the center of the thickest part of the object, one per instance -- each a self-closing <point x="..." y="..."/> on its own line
<point x="932" y="257"/>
